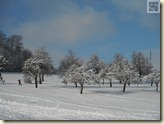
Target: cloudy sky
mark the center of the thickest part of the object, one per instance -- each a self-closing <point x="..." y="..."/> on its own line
<point x="105" y="27"/>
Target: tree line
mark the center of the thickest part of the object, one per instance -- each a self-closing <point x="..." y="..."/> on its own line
<point x="15" y="58"/>
<point x="73" y="70"/>
<point x="12" y="53"/>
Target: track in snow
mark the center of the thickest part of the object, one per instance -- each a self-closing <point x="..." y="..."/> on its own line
<point x="54" y="101"/>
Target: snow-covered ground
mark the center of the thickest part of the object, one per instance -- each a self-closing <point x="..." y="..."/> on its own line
<point x="55" y="101"/>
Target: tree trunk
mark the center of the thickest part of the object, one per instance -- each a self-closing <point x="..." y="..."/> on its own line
<point x="120" y="82"/>
<point x="125" y="85"/>
<point x="128" y="83"/>
<point x="75" y="84"/>
<point x="140" y="75"/>
<point x="36" y="82"/>
<point x="151" y="83"/>
<point x="42" y="77"/>
<point x="157" y="86"/>
<point x="81" y="91"/>
<point x="103" y="81"/>
<point x="110" y="83"/>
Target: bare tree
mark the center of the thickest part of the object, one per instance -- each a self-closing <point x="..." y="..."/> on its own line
<point x="117" y="58"/>
<point x="12" y="49"/>
<point x="3" y="39"/>
<point x="141" y="64"/>
<point x="69" y="60"/>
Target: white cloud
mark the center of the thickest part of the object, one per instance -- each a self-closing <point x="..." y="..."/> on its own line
<point x="136" y="10"/>
<point x="129" y="5"/>
<point x="55" y="23"/>
<point x="57" y="55"/>
<point x="72" y="26"/>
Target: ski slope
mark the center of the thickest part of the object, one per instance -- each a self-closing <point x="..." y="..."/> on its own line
<point x="53" y="100"/>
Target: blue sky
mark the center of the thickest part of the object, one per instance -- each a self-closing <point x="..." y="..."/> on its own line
<point x="104" y="27"/>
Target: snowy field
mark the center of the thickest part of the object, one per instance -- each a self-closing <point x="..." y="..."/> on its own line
<point x="55" y="101"/>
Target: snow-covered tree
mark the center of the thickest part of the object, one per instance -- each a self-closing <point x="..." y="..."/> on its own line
<point x="2" y="42"/>
<point x="40" y="63"/>
<point x="134" y="78"/>
<point x="47" y="64"/>
<point x="122" y="72"/>
<point x="106" y="74"/>
<point x="95" y="64"/>
<point x="81" y="76"/>
<point x="102" y="73"/>
<point x="32" y="68"/>
<point x="25" y="54"/>
<point x="69" y="60"/>
<point x="118" y="57"/>
<point x="13" y="52"/>
<point x="70" y="70"/>
<point x="153" y="77"/>
<point x="141" y="64"/>
<point x="27" y="78"/>
<point x="3" y="63"/>
<point x="12" y="49"/>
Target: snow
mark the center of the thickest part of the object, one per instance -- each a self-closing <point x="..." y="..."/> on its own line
<point x="54" y="100"/>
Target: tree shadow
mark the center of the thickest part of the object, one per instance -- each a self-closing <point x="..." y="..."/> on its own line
<point x="151" y="90"/>
<point x="112" y="92"/>
<point x="120" y="92"/>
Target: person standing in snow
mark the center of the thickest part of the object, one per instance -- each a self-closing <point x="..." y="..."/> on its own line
<point x="19" y="82"/>
<point x="1" y="79"/>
